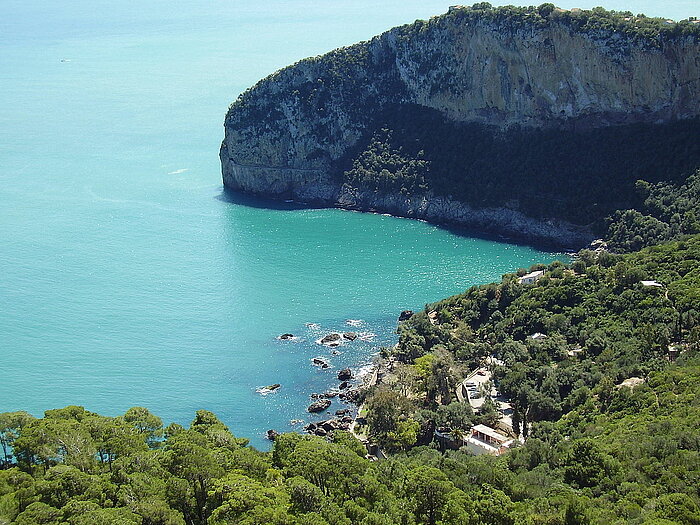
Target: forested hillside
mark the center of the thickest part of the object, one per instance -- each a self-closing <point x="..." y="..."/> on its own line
<point x="622" y="456"/>
<point x="596" y="452"/>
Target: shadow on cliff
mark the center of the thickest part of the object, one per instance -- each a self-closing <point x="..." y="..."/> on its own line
<point x="242" y="199"/>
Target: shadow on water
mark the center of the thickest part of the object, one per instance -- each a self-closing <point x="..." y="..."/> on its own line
<point x="230" y="196"/>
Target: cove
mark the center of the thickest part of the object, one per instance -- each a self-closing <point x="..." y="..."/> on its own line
<point x="127" y="277"/>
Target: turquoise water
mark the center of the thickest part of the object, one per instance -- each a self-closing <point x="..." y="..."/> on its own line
<point x="126" y="276"/>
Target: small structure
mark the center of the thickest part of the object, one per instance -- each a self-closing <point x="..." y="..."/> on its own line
<point x="652" y="283"/>
<point x="538" y="336"/>
<point x="432" y="317"/>
<point x="673" y="352"/>
<point x="631" y="382"/>
<point x="575" y="352"/>
<point x="531" y="278"/>
<point x="486" y="440"/>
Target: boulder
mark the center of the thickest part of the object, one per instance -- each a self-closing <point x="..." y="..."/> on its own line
<point x="318" y="361"/>
<point x="342" y="412"/>
<point x="350" y="336"/>
<point x="285" y="337"/>
<point x="344" y="385"/>
<point x="405" y="315"/>
<point x="330" y="338"/>
<point x="319" y="406"/>
<point x="350" y="396"/>
<point x="345" y="374"/>
<point x="272" y="388"/>
<point x="272" y="434"/>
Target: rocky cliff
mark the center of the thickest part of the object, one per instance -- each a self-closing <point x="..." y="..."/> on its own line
<point x="301" y="133"/>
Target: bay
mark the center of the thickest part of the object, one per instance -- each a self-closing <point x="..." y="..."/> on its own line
<point x="127" y="277"/>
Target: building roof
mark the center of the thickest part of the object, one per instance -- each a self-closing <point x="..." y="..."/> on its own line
<point x="488" y="431"/>
<point x="651" y="283"/>
<point x="538" y="273"/>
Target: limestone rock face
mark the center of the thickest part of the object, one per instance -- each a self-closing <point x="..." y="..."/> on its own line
<point x="285" y="136"/>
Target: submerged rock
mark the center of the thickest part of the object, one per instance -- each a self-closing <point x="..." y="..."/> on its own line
<point x="319" y="361"/>
<point x="350" y="336"/>
<point x="319" y="406"/>
<point x="285" y="337"/>
<point x="330" y="338"/>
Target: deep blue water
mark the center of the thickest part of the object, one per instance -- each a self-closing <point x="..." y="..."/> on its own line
<point x="127" y="277"/>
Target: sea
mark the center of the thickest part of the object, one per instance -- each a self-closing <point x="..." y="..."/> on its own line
<point x="129" y="278"/>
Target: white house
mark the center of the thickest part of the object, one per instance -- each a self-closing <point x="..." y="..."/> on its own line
<point x="486" y="440"/>
<point x="531" y="277"/>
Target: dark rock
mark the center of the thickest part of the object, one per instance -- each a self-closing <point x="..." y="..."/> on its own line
<point x="347" y="419"/>
<point x="318" y="361"/>
<point x="272" y="434"/>
<point x="345" y="374"/>
<point x="330" y="338"/>
<point x="405" y="315"/>
<point x="319" y="406"/>
<point x="334" y="345"/>
<point x="350" y="336"/>
<point x="320" y="432"/>
<point x="342" y="412"/>
<point x="272" y="388"/>
<point x="344" y="385"/>
<point x="284" y="337"/>
<point x="329" y="395"/>
<point x="351" y="396"/>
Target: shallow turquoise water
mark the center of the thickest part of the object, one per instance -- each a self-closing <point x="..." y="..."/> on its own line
<point x="126" y="277"/>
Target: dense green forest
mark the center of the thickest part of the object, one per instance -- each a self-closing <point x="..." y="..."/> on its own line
<point x="622" y="456"/>
<point x="669" y="211"/>
<point x="595" y="453"/>
<point x="582" y="176"/>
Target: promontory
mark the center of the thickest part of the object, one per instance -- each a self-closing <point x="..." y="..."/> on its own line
<point x="528" y="122"/>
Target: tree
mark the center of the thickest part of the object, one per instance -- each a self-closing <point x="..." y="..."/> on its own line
<point x="428" y="488"/>
<point x="144" y="422"/>
<point x="11" y="424"/>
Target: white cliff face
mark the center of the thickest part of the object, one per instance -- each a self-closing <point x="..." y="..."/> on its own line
<point x="283" y="136"/>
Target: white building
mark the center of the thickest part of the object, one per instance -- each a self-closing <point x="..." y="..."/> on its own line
<point x="531" y="278"/>
<point x="485" y="440"/>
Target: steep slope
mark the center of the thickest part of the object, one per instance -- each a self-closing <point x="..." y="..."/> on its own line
<point x="486" y="117"/>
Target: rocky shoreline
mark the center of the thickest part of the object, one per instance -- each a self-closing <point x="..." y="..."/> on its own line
<point x="505" y="223"/>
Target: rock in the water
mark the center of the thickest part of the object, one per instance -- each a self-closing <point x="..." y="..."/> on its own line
<point x="330" y="338"/>
<point x="344" y="385"/>
<point x="272" y="434"/>
<point x="345" y="374"/>
<point x="319" y="406"/>
<point x="351" y="396"/>
<point x="350" y="336"/>
<point x="319" y="361"/>
<point x="405" y="315"/>
<point x="342" y="412"/>
<point x="284" y="337"/>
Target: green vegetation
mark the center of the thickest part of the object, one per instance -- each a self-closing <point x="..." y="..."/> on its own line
<point x="624" y="456"/>
<point x="598" y="21"/>
<point x="578" y="176"/>
<point x="596" y="453"/>
<point x="671" y="210"/>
